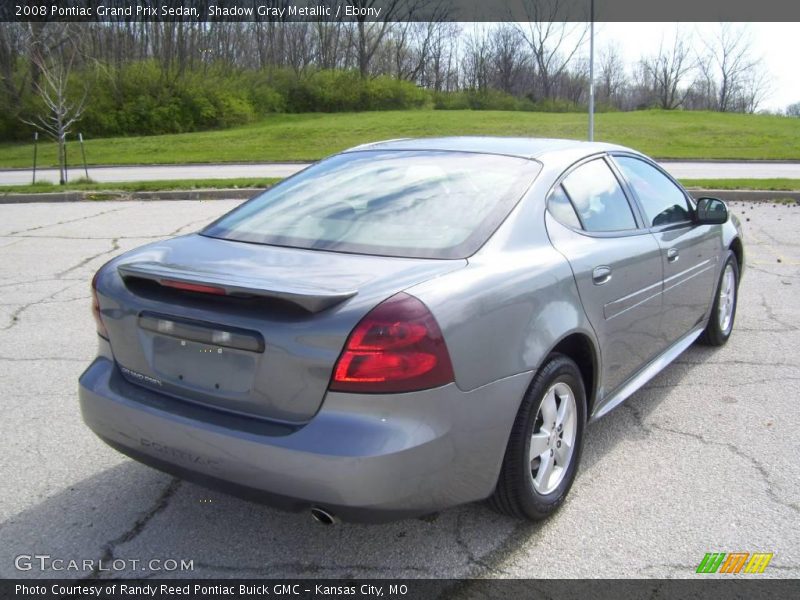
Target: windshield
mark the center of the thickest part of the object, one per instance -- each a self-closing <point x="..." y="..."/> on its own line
<point x="421" y="204"/>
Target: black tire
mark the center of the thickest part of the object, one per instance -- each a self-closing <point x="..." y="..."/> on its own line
<point x="715" y="334"/>
<point x="516" y="494"/>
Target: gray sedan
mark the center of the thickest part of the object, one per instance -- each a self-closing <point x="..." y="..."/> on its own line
<point x="409" y="325"/>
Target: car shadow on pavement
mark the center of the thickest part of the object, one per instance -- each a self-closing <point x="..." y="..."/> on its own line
<point x="131" y="512"/>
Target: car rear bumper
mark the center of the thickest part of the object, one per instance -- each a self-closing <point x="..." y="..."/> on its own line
<point x="362" y="457"/>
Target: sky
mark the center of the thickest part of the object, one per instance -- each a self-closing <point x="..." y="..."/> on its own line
<point x="777" y="44"/>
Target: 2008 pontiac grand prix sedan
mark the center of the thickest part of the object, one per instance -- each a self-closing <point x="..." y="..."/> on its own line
<point x="409" y="325"/>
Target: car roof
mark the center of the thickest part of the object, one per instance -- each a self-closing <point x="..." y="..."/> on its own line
<point x="531" y="148"/>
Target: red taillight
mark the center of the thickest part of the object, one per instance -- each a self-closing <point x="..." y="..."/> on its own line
<point x="101" y="328"/>
<point x="193" y="287"/>
<point x="397" y="347"/>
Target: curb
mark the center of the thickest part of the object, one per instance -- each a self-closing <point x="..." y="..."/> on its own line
<point x="747" y="195"/>
<point x="246" y="193"/>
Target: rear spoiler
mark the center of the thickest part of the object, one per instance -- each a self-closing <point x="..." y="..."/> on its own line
<point x="311" y="299"/>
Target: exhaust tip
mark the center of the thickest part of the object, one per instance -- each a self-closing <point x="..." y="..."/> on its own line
<point x="323" y="516"/>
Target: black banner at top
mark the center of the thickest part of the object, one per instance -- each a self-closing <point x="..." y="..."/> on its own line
<point x="399" y="10"/>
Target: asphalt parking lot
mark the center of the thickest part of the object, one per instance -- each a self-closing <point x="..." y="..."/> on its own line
<point x="706" y="458"/>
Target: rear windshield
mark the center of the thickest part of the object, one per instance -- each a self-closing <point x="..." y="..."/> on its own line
<point x="391" y="203"/>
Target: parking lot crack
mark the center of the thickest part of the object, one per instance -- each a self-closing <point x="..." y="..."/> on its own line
<point x="64" y="301"/>
<point x="138" y="526"/>
<point x="733" y="448"/>
<point x="472" y="559"/>
<point x="763" y="380"/>
<point x="523" y="534"/>
<point x="303" y="567"/>
<point x="774" y="274"/>
<point x="65" y="222"/>
<point x="88" y="259"/>
<point x="15" y="315"/>
<point x="738" y="362"/>
<point x="187" y="225"/>
<point x="85" y="237"/>
<point x="773" y="317"/>
<point x="17" y="283"/>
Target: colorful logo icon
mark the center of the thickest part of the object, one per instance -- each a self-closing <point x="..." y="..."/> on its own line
<point x="734" y="562"/>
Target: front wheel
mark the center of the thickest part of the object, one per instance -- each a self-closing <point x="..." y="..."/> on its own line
<point x="720" y="323"/>
<point x="545" y="444"/>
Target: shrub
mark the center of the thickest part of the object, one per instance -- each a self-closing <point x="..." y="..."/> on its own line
<point x="558" y="105"/>
<point x="345" y="91"/>
<point x="488" y="99"/>
<point x="386" y="93"/>
<point x="450" y="101"/>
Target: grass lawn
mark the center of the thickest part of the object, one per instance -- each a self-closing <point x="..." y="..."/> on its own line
<point x="309" y="136"/>
<point x="141" y="186"/>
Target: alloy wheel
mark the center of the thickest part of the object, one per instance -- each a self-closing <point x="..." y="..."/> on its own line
<point x="727" y="299"/>
<point x="553" y="438"/>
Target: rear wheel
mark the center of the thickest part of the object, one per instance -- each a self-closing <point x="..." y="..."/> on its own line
<point x="723" y="313"/>
<point x="545" y="443"/>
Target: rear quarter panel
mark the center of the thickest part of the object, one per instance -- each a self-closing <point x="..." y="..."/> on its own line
<point x="516" y="299"/>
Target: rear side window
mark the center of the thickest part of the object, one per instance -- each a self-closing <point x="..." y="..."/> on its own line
<point x="561" y="208"/>
<point x="598" y="198"/>
<point x="663" y="202"/>
<point x="421" y="204"/>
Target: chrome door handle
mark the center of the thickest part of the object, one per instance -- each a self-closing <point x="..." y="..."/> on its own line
<point x="601" y="275"/>
<point x="672" y="254"/>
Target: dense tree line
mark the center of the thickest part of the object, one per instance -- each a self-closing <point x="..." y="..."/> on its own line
<point x="136" y="77"/>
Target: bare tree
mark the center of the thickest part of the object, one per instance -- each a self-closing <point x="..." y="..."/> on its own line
<point x="477" y="59"/>
<point x="299" y="45"/>
<point x="793" y="110"/>
<point x="329" y="37"/>
<point x="508" y="58"/>
<point x="370" y="34"/>
<point x="728" y="67"/>
<point x="441" y="70"/>
<point x="552" y="44"/>
<point x="611" y="78"/>
<point x="573" y="83"/>
<point x="755" y="87"/>
<point x="61" y="110"/>
<point x="667" y="70"/>
<point x="406" y="50"/>
<point x="414" y="44"/>
<point x="640" y="95"/>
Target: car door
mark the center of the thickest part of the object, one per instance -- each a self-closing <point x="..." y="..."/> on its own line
<point x="616" y="264"/>
<point x="689" y="251"/>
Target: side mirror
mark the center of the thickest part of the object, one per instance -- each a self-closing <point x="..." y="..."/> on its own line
<point x="711" y="211"/>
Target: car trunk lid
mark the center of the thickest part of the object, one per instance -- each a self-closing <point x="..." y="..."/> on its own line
<point x="244" y="327"/>
<point x="193" y="279"/>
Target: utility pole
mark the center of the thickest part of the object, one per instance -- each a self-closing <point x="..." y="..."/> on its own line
<point x="35" y="145"/>
<point x="591" y="72"/>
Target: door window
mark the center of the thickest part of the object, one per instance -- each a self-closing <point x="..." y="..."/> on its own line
<point x="598" y="198"/>
<point x="663" y="202"/>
